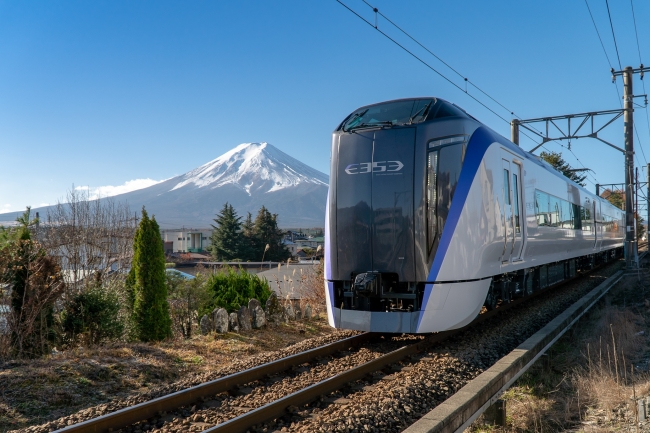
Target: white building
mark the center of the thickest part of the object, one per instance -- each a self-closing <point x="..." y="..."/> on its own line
<point x="186" y="240"/>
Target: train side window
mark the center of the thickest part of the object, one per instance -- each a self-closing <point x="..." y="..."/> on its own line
<point x="577" y="216"/>
<point x="515" y="192"/>
<point x="506" y="186"/>
<point x="567" y="214"/>
<point x="555" y="209"/>
<point x="450" y="163"/>
<point x="541" y="208"/>
<point x="432" y="197"/>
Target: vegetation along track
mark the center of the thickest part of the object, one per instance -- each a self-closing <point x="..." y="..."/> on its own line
<point x="383" y="385"/>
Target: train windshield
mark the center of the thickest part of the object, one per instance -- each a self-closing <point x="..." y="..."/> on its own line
<point x="389" y="114"/>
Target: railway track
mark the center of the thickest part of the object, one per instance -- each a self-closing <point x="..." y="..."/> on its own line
<point x="292" y="393"/>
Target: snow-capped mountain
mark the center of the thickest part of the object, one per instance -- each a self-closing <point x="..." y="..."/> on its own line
<point x="247" y="177"/>
<point x="253" y="167"/>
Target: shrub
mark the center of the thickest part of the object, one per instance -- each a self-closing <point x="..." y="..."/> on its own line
<point x="92" y="317"/>
<point x="231" y="289"/>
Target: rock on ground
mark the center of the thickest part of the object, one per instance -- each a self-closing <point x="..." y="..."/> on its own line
<point x="274" y="311"/>
<point x="244" y="317"/>
<point x="257" y="314"/>
<point x="205" y="324"/>
<point x="233" y="322"/>
<point x="289" y="312"/>
<point x="220" y="319"/>
<point x="308" y="313"/>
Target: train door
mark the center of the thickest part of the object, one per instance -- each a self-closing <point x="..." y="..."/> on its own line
<point x="513" y="212"/>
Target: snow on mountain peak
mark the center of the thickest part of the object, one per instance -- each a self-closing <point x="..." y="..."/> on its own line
<point x="253" y="167"/>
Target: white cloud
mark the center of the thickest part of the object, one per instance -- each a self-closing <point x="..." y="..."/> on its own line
<point x="110" y="190"/>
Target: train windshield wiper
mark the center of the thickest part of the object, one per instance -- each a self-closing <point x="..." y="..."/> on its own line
<point x="372" y="124"/>
<point x="355" y="120"/>
<point x="424" y="110"/>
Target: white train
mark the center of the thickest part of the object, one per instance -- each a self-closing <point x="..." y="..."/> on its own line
<point x="431" y="215"/>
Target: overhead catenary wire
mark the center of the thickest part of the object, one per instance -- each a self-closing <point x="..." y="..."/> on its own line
<point x="638" y="49"/>
<point x="611" y="24"/>
<point x="467" y="80"/>
<point x="422" y="61"/>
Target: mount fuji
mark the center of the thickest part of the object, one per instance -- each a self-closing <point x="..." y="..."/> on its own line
<point x="248" y="177"/>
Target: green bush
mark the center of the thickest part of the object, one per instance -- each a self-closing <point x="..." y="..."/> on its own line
<point x="231" y="289"/>
<point x="92" y="317"/>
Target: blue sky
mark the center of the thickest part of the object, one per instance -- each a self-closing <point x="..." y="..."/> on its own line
<point x="103" y="93"/>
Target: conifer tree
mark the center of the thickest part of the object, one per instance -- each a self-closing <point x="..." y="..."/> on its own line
<point x="249" y="243"/>
<point x="267" y="233"/>
<point x="147" y="279"/>
<point x="226" y="238"/>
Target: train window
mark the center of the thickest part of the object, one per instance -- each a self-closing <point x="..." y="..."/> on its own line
<point x="515" y="191"/>
<point x="541" y="208"/>
<point x="404" y="112"/>
<point x="555" y="209"/>
<point x="577" y="216"/>
<point x="449" y="166"/>
<point x="506" y="186"/>
<point x="567" y="214"/>
<point x="432" y="197"/>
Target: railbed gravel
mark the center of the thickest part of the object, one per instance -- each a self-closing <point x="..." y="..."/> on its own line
<point x="192" y="380"/>
<point x="391" y="403"/>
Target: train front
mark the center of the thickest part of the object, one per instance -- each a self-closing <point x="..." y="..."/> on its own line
<point x="394" y="170"/>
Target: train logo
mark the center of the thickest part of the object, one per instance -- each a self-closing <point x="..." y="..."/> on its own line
<point x="374" y="167"/>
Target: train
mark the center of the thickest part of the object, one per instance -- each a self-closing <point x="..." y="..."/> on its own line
<point x="432" y="216"/>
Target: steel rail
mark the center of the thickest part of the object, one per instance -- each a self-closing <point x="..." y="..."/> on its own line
<point x="279" y="407"/>
<point x="459" y="411"/>
<point x="145" y="410"/>
<point x="133" y="414"/>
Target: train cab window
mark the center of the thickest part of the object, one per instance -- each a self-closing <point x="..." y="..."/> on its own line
<point x="541" y="208"/>
<point x="449" y="166"/>
<point x="432" y="197"/>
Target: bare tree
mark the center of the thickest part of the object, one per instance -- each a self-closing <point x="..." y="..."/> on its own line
<point x="88" y="237"/>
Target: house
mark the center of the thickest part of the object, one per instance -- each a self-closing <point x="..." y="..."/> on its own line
<point x="186" y="240"/>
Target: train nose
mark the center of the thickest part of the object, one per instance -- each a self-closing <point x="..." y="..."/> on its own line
<point x="367" y="284"/>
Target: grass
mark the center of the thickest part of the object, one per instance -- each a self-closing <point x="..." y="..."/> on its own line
<point x="36" y="391"/>
<point x="590" y="379"/>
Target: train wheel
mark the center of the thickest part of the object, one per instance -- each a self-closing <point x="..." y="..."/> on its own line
<point x="491" y="299"/>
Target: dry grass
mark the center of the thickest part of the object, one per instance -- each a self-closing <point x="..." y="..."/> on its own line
<point x="36" y="391"/>
<point x="590" y="379"/>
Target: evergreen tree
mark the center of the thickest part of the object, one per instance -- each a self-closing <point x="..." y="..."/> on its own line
<point x="226" y="236"/>
<point x="250" y="244"/>
<point x="147" y="280"/>
<point x="267" y="233"/>
<point x="556" y="160"/>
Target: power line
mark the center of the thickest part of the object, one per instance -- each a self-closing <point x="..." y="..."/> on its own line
<point x="613" y="35"/>
<point x="598" y="33"/>
<point x="638" y="49"/>
<point x="422" y="61"/>
<point x="442" y="61"/>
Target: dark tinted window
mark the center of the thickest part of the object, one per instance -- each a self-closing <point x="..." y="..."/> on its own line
<point x="390" y="113"/>
<point x="449" y="166"/>
<point x="445" y="109"/>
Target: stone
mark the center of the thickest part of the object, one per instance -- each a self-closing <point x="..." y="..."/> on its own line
<point x="289" y="312"/>
<point x="274" y="311"/>
<point x="233" y="322"/>
<point x="220" y="320"/>
<point x="308" y="313"/>
<point x="258" y="318"/>
<point x="298" y="312"/>
<point x="244" y="317"/>
<point x="205" y="325"/>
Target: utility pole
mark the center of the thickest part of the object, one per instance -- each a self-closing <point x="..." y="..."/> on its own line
<point x="628" y="128"/>
<point x="514" y="131"/>
<point x="647" y="221"/>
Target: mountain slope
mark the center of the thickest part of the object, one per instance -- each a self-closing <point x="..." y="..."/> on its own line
<point x="248" y="176"/>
